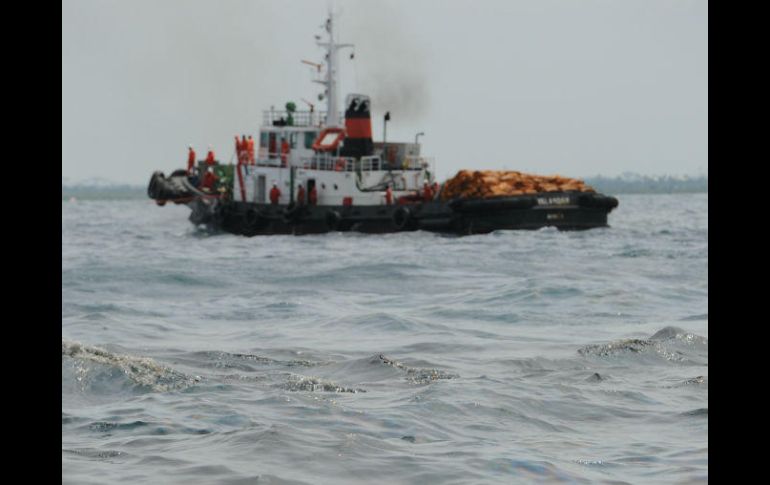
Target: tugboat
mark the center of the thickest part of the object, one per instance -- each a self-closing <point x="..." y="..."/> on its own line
<point x="313" y="173"/>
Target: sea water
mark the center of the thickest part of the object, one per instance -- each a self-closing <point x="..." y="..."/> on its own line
<point x="512" y="357"/>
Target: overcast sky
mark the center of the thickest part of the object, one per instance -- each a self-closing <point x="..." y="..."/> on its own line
<point x="578" y="88"/>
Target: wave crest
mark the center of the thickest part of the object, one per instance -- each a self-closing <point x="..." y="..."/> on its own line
<point x="670" y="343"/>
<point x="140" y="371"/>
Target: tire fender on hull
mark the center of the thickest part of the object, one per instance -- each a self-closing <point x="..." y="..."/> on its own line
<point x="291" y="213"/>
<point x="333" y="220"/>
<point x="221" y="214"/>
<point x="402" y="218"/>
<point x="254" y="219"/>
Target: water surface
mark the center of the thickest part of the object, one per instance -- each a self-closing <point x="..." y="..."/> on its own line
<point x="512" y="357"/>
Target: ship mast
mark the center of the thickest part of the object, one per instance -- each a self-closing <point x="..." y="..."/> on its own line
<point x="332" y="114"/>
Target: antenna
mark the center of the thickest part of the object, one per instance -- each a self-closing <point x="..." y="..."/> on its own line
<point x="312" y="106"/>
<point x="332" y="115"/>
<point x="314" y="64"/>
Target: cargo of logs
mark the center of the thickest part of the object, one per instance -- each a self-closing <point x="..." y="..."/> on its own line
<point x="492" y="183"/>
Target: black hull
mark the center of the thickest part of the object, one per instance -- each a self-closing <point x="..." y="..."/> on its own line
<point x="563" y="210"/>
<point x="252" y="219"/>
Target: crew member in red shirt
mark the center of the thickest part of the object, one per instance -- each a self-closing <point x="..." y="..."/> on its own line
<point x="210" y="159"/>
<point x="427" y="193"/>
<point x="312" y="197"/>
<point x="388" y="195"/>
<point x="238" y="150"/>
<point x="190" y="159"/>
<point x="243" y="154"/>
<point x="275" y="194"/>
<point x="300" y="195"/>
<point x="209" y="179"/>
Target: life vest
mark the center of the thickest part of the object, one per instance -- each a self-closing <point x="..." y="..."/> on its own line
<point x="388" y="196"/>
<point x="313" y="196"/>
<point x="190" y="160"/>
<point x="210" y="158"/>
<point x="301" y="195"/>
<point x="250" y="149"/>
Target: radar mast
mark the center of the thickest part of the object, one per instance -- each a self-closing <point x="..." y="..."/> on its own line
<point x="332" y="113"/>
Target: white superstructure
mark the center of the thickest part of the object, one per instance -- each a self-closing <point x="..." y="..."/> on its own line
<point x="285" y="154"/>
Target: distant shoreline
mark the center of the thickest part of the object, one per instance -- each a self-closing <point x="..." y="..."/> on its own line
<point x="106" y="192"/>
<point x="633" y="184"/>
<point x="636" y="184"/>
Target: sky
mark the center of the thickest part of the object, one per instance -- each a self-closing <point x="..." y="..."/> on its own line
<point x="578" y="88"/>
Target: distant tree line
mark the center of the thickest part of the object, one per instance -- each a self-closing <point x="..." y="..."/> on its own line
<point x="119" y="192"/>
<point x="623" y="184"/>
<point x="643" y="184"/>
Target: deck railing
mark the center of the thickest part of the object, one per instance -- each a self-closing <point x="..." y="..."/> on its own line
<point x="369" y="164"/>
<point x="417" y="163"/>
<point x="329" y="162"/>
<point x="296" y="118"/>
<point x="347" y="164"/>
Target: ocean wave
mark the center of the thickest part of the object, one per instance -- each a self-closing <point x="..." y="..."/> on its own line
<point x="240" y="361"/>
<point x="297" y="382"/>
<point x="141" y="372"/>
<point x="415" y="374"/>
<point x="502" y="358"/>
<point x="671" y="344"/>
<point x="702" y="412"/>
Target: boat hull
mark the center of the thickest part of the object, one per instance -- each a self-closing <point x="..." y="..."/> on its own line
<point x="253" y="219"/>
<point x="562" y="210"/>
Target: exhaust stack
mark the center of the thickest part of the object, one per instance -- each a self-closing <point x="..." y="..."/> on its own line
<point x="358" y="127"/>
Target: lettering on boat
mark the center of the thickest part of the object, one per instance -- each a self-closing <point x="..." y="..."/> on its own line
<point x="553" y="200"/>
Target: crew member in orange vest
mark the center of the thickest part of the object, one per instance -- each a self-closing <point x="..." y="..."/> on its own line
<point x="210" y="157"/>
<point x="427" y="194"/>
<point x="275" y="194"/>
<point x="238" y="150"/>
<point x="388" y="195"/>
<point x="244" y="150"/>
<point x="300" y="195"/>
<point x="250" y="150"/>
<point x="190" y="159"/>
<point x="284" y="151"/>
<point x="209" y="178"/>
<point x="312" y="197"/>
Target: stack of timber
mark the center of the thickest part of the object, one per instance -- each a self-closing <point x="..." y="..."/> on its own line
<point x="487" y="184"/>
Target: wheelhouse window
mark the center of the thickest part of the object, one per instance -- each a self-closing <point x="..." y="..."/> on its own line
<point x="310" y="137"/>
